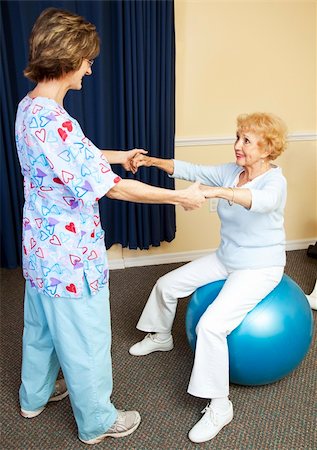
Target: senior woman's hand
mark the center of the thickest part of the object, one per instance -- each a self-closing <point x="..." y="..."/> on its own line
<point x="140" y="160"/>
<point x="150" y="161"/>
<point x="130" y="156"/>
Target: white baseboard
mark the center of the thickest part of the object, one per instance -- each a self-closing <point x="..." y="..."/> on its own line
<point x="300" y="244"/>
<point x="168" y="258"/>
<point x="198" y="141"/>
<point x="117" y="263"/>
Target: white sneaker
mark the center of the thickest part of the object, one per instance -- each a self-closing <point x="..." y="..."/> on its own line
<point x="59" y="393"/>
<point x="150" y="344"/>
<point x="210" y="424"/>
<point x="127" y="422"/>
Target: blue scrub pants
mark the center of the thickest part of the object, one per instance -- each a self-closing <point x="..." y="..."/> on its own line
<point x="74" y="334"/>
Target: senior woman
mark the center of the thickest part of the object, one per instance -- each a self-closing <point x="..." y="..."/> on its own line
<point x="251" y="257"/>
<point x="67" y="317"/>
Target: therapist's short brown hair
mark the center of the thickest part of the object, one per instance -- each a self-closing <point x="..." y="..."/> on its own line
<point x="60" y="40"/>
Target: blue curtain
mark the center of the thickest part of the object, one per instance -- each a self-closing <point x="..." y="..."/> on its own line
<point x="127" y="103"/>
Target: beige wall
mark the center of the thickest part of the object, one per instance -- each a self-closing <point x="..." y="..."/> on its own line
<point x="234" y="57"/>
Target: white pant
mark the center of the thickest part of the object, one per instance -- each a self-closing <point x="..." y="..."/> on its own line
<point x="242" y="291"/>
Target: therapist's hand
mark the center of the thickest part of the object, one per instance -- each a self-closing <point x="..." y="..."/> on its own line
<point x="128" y="158"/>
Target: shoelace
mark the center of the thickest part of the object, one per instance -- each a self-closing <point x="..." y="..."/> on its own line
<point x="210" y="414"/>
<point x="119" y="424"/>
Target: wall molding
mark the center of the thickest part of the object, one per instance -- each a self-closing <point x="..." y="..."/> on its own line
<point x="168" y="258"/>
<point x="225" y="140"/>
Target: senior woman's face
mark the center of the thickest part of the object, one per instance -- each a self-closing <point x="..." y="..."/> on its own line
<point x="247" y="150"/>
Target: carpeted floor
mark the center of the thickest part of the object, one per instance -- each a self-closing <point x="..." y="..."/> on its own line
<point x="277" y="416"/>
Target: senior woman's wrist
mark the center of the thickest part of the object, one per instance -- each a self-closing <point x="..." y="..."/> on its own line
<point x="164" y="164"/>
<point x="242" y="197"/>
<point x="226" y="193"/>
<point x="211" y="191"/>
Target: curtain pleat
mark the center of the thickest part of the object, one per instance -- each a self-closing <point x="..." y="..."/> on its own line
<point x="142" y="53"/>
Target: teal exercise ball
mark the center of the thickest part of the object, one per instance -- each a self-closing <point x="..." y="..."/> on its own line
<point x="270" y="342"/>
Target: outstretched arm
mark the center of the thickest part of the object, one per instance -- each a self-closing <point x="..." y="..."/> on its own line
<point x="123" y="157"/>
<point x="149" y="161"/>
<point x="135" y="191"/>
<point x="271" y="196"/>
<point x="242" y="197"/>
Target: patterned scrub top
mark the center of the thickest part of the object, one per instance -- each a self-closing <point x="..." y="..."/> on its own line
<point x="64" y="176"/>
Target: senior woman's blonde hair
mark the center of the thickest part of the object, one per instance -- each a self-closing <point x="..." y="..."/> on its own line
<point x="271" y="129"/>
<point x="60" y="40"/>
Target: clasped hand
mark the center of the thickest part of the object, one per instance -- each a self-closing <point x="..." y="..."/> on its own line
<point x="194" y="197"/>
<point x="133" y="159"/>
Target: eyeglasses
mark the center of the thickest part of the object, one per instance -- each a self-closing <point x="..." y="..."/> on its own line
<point x="90" y="61"/>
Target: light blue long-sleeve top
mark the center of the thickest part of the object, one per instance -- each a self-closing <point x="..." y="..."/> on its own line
<point x="250" y="238"/>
